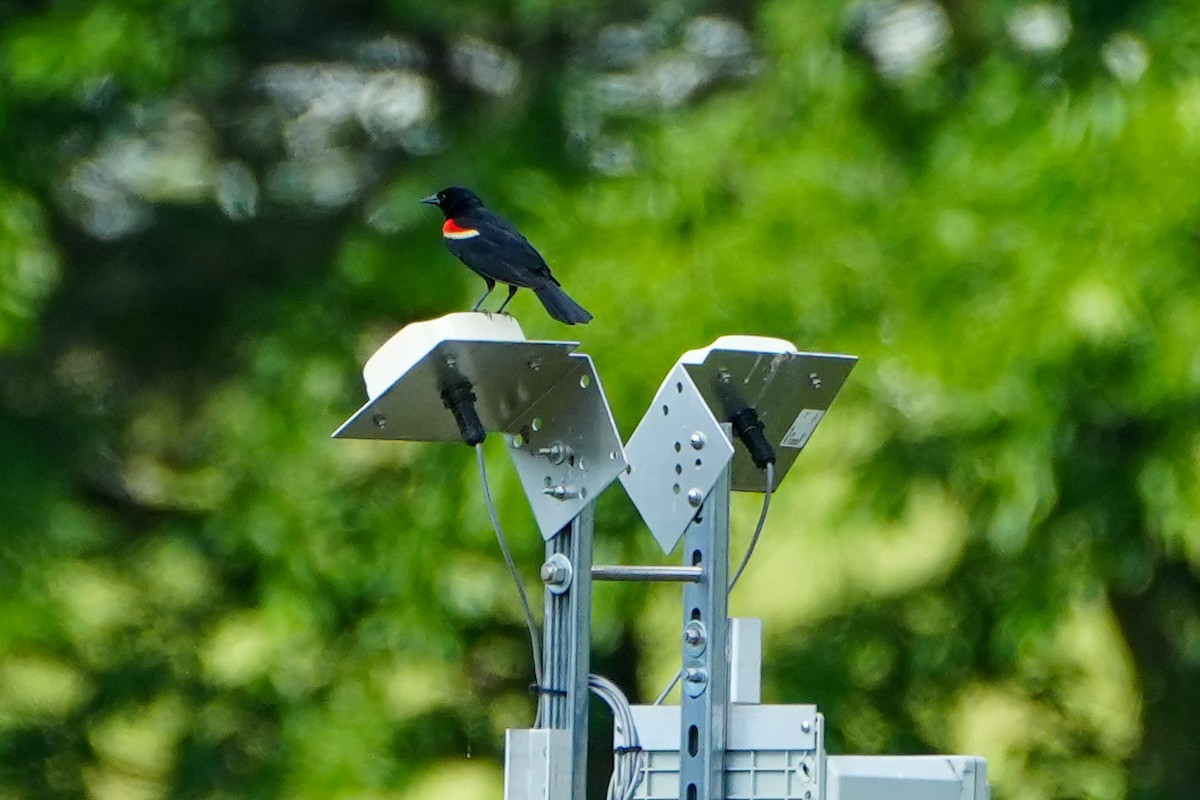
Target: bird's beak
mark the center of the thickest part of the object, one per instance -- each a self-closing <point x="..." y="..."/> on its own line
<point x="431" y="200"/>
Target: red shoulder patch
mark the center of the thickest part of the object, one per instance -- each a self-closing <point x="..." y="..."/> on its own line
<point x="452" y="227"/>
<point x="452" y="230"/>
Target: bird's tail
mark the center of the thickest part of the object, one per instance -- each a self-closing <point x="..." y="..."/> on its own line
<point x="560" y="306"/>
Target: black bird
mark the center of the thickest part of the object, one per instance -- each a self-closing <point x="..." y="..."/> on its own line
<point x="492" y="247"/>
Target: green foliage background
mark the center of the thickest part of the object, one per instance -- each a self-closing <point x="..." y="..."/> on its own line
<point x="991" y="546"/>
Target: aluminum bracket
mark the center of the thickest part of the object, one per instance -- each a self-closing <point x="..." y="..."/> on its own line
<point x="790" y="390"/>
<point x="546" y="398"/>
<point x="565" y="446"/>
<point x="676" y="454"/>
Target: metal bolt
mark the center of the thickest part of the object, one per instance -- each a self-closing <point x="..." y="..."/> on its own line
<point x="561" y="492"/>
<point x="557" y="573"/>
<point x="806" y="726"/>
<point x="557" y="452"/>
<point x="695" y="637"/>
<point x="695" y="498"/>
<point x="695" y="681"/>
<point x="535" y="364"/>
<point x="697" y="441"/>
<point x="380" y="421"/>
<point x="815" y="380"/>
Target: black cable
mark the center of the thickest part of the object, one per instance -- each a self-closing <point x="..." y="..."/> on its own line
<point x="459" y="398"/>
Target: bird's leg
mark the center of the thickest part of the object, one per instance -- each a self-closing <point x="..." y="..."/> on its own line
<point x="511" y="291"/>
<point x="491" y="284"/>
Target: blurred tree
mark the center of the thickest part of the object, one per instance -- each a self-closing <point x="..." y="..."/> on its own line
<point x="208" y="220"/>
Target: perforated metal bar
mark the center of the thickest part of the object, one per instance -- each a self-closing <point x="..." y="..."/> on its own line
<point x="705" y="686"/>
<point x="565" y="645"/>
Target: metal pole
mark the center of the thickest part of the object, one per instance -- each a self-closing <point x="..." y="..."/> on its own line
<point x="566" y="643"/>
<point x="705" y="690"/>
<point x="607" y="572"/>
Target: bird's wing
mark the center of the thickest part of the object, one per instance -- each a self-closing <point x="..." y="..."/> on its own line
<point x="499" y="251"/>
<point x="506" y="233"/>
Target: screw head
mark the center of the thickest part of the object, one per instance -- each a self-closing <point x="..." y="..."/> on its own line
<point x="806" y="726"/>
<point x="695" y="498"/>
<point x="562" y="491"/>
<point x="695" y="681"/>
<point x="697" y="441"/>
<point x="380" y="421"/>
<point x="557" y="453"/>
<point x="695" y="637"/>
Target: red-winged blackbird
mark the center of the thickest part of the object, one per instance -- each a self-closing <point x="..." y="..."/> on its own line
<point x="492" y="247"/>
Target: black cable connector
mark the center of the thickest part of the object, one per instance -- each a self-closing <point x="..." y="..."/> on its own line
<point x="459" y="398"/>
<point x="749" y="429"/>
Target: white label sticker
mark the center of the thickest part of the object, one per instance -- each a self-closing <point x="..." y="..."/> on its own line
<point x="802" y="428"/>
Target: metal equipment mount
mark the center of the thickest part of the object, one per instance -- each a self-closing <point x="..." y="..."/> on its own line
<point x="683" y="462"/>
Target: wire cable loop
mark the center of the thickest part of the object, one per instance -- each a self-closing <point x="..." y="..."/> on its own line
<point x="535" y="639"/>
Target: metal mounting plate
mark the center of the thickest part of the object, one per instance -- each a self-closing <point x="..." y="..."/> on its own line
<point x="665" y="468"/>
<point x="538" y="393"/>
<point x="791" y="391"/>
<point x="574" y="414"/>
<point x="506" y="377"/>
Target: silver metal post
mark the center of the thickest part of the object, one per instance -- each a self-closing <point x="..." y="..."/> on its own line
<point x="704" y="698"/>
<point x="608" y="572"/>
<point x="565" y="645"/>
